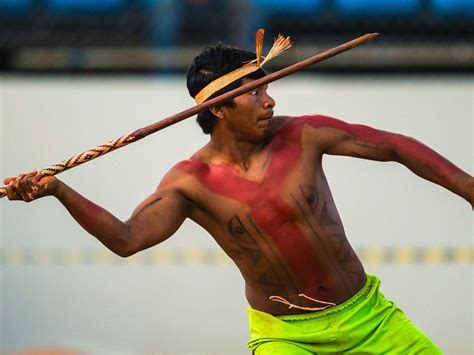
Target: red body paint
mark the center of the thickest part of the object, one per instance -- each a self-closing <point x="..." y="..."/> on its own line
<point x="404" y="146"/>
<point x="271" y="213"/>
<point x="444" y="168"/>
<point x="89" y="216"/>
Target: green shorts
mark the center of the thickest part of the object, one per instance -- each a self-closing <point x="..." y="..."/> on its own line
<point x="367" y="323"/>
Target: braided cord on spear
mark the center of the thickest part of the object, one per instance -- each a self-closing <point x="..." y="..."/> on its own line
<point x="92" y="153"/>
<point x="143" y="132"/>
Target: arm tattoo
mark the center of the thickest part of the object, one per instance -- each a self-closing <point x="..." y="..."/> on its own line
<point x="408" y="151"/>
<point x="153" y="202"/>
<point x="158" y="199"/>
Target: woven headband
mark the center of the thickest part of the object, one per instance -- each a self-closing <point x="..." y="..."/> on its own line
<point x="280" y="45"/>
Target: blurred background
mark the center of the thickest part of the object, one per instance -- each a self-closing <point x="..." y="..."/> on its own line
<point x="77" y="73"/>
<point x="164" y="35"/>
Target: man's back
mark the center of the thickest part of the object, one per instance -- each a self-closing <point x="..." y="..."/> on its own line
<point x="277" y="220"/>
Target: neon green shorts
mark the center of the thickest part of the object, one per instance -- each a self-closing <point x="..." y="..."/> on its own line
<point x="368" y="323"/>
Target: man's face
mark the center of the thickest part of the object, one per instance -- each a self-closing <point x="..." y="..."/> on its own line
<point x="251" y="117"/>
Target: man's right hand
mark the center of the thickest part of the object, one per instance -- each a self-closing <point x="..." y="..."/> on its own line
<point x="31" y="186"/>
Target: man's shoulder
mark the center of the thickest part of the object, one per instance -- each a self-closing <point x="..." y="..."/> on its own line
<point x="197" y="163"/>
<point x="181" y="177"/>
<point x="188" y="170"/>
<point x="314" y="119"/>
<point x="293" y="125"/>
<point x="191" y="165"/>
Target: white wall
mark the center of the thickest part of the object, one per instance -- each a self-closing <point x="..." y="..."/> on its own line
<point x="109" y="305"/>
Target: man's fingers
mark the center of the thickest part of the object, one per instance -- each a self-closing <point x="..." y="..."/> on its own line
<point x="25" y="184"/>
<point x="19" y="187"/>
<point x="37" y="178"/>
<point x="16" y="183"/>
<point x="9" y="180"/>
<point x="33" y="180"/>
<point x="26" y="187"/>
<point x="31" y="187"/>
<point x="11" y="192"/>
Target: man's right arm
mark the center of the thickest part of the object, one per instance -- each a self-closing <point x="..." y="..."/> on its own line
<point x="153" y="221"/>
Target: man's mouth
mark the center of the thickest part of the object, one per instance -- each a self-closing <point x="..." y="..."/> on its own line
<point x="267" y="117"/>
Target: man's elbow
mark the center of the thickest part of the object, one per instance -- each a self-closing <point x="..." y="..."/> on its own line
<point x="125" y="252"/>
<point x="400" y="147"/>
<point x="126" y="246"/>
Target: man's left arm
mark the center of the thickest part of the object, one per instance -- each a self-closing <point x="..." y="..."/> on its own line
<point x="340" y="138"/>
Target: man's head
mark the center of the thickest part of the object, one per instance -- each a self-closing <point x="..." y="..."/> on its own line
<point x="212" y="63"/>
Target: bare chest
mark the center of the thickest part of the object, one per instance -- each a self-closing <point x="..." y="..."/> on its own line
<point x="274" y="192"/>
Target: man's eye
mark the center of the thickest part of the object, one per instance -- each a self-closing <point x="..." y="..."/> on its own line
<point x="254" y="92"/>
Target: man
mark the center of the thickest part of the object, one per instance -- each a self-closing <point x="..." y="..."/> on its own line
<point x="259" y="189"/>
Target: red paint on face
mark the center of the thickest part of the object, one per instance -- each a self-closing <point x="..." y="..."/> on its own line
<point x="267" y="208"/>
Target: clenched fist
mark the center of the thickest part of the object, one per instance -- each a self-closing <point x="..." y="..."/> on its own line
<point x="31" y="186"/>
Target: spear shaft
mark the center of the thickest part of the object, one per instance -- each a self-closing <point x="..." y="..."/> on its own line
<point x="157" y="126"/>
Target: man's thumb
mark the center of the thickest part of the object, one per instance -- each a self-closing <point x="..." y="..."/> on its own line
<point x="8" y="180"/>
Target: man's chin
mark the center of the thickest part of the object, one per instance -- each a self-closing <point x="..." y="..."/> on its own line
<point x="266" y="132"/>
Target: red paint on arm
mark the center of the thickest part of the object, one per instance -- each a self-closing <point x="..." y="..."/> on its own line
<point x="413" y="154"/>
<point x="361" y="132"/>
<point x="89" y="216"/>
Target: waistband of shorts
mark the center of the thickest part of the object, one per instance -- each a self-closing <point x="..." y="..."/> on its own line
<point x="371" y="282"/>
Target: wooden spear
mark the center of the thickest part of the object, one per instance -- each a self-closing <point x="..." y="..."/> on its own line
<point x="155" y="127"/>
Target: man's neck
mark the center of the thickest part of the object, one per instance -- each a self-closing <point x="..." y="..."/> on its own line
<point x="234" y="151"/>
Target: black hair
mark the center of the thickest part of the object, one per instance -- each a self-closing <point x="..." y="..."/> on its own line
<point x="210" y="64"/>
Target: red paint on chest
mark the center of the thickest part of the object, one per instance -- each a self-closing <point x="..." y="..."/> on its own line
<point x="267" y="208"/>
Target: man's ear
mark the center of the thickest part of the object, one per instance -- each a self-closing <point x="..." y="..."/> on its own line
<point x="217" y="111"/>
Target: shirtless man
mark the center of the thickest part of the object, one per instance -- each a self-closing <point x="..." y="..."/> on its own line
<point x="259" y="189"/>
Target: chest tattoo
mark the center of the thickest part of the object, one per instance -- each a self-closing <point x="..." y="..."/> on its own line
<point x="273" y="216"/>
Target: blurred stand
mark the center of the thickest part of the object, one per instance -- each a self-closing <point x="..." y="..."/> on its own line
<point x="164" y="35"/>
<point x="46" y="351"/>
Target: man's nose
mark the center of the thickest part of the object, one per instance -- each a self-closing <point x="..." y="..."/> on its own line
<point x="268" y="102"/>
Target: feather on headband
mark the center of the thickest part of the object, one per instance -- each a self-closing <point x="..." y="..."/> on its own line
<point x="280" y="45"/>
